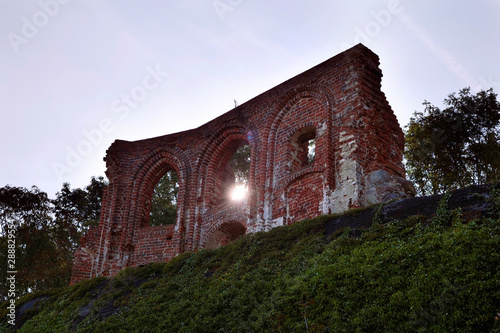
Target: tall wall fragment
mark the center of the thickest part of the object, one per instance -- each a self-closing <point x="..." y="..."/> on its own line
<point x="357" y="162"/>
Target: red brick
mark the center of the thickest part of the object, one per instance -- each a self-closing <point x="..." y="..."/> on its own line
<point x="340" y="99"/>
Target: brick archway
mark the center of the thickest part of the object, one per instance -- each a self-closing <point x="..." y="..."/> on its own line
<point x="226" y="233"/>
<point x="307" y="108"/>
<point x="214" y="220"/>
<point x="210" y="194"/>
<point x="159" y="162"/>
<point x="136" y="247"/>
<point x="216" y="158"/>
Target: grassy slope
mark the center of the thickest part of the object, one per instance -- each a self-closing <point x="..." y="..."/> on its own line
<point x="399" y="277"/>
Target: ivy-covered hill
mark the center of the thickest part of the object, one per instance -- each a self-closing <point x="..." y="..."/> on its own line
<point x="429" y="264"/>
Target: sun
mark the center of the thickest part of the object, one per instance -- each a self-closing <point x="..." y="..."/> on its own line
<point x="239" y="192"/>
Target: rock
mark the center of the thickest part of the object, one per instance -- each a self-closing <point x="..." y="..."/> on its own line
<point x="381" y="187"/>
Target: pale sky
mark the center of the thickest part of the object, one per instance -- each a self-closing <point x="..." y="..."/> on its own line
<point x="77" y="75"/>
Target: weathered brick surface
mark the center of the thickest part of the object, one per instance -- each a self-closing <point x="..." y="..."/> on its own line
<point x="338" y="102"/>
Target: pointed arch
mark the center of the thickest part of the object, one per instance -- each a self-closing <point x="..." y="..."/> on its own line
<point x="212" y="162"/>
<point x="147" y="174"/>
<point x="315" y="109"/>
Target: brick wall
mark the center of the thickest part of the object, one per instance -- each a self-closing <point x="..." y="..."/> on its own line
<point x="359" y="146"/>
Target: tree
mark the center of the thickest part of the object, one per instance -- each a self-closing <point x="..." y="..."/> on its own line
<point x="80" y="207"/>
<point x="46" y="232"/>
<point x="74" y="211"/>
<point x="457" y="146"/>
<point x="164" y="200"/>
<point x="27" y="215"/>
<point x="240" y="164"/>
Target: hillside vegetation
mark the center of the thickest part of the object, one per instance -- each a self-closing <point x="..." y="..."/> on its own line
<point x="434" y="273"/>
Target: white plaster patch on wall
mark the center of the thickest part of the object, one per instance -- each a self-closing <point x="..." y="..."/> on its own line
<point x="267" y="216"/>
<point x="347" y="189"/>
<point x="256" y="225"/>
<point x="326" y="204"/>
<point x="322" y="129"/>
<point x="200" y="186"/>
<point x="277" y="222"/>
<point x="286" y="203"/>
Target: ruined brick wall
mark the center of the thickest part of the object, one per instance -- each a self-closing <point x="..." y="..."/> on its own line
<point x="357" y="162"/>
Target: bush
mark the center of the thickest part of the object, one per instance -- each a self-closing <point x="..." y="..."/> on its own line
<point x="397" y="277"/>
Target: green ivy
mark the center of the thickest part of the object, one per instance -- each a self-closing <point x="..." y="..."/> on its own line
<point x="399" y="277"/>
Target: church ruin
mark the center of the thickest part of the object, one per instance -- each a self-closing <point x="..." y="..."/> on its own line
<point x="357" y="162"/>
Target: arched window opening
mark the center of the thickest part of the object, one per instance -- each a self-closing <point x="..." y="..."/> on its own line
<point x="164" y="200"/>
<point x="311" y="150"/>
<point x="225" y="234"/>
<point x="230" y="179"/>
<point x="240" y="166"/>
<point x="304" y="148"/>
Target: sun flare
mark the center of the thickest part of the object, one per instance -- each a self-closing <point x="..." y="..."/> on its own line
<point x="239" y="192"/>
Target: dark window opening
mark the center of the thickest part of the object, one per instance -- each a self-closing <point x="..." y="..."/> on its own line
<point x="164" y="200"/>
<point x="225" y="234"/>
<point x="304" y="145"/>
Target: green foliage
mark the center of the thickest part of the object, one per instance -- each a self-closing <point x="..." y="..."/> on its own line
<point x="443" y="216"/>
<point x="164" y="200"/>
<point x="457" y="146"/>
<point x="376" y="215"/>
<point x="311" y="150"/>
<point x="28" y="212"/>
<point x="76" y="210"/>
<point x="79" y="208"/>
<point x="46" y="233"/>
<point x="495" y="197"/>
<point x="397" y="277"/>
<point x="240" y="164"/>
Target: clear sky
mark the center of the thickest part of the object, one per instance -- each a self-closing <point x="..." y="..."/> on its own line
<point x="77" y="75"/>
